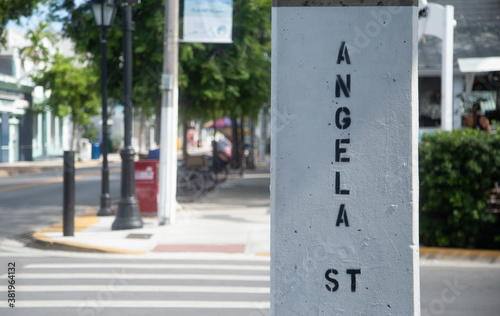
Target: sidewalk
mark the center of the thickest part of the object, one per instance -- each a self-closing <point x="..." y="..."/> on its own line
<point x="234" y="218"/>
<point x="13" y="168"/>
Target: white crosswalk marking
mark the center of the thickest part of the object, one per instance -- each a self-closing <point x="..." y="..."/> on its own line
<point x="144" y="288"/>
<point x="147" y="267"/>
<point x="172" y="287"/>
<point x="139" y="304"/>
<point x="140" y="276"/>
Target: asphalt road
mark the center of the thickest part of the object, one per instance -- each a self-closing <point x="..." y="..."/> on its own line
<point x="61" y="283"/>
<point x="473" y="290"/>
<point x="30" y="202"/>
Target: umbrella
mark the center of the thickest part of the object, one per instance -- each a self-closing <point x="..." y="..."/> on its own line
<point x="220" y="123"/>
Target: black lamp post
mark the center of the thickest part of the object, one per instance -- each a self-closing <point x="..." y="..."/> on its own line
<point x="128" y="216"/>
<point x="104" y="13"/>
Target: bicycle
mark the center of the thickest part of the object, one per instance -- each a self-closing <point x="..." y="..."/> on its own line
<point x="190" y="183"/>
<point x="219" y="169"/>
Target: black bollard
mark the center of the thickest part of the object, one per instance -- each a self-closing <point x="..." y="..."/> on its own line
<point x="69" y="194"/>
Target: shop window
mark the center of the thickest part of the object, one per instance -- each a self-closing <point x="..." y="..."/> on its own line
<point x="429" y="105"/>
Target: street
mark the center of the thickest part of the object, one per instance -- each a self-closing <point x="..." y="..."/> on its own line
<point x="86" y="284"/>
<point x="31" y="202"/>
<point x="61" y="283"/>
<point x="460" y="291"/>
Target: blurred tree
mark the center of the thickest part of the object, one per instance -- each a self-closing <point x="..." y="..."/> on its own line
<point x="79" y="25"/>
<point x="38" y="51"/>
<point x="14" y="10"/>
<point x="214" y="79"/>
<point x="229" y="79"/>
<point x="73" y="91"/>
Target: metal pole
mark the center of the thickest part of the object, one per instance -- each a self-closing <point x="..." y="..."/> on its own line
<point x="251" y="149"/>
<point x="128" y="216"/>
<point x="168" y="148"/>
<point x="105" y="209"/>
<point x="69" y="194"/>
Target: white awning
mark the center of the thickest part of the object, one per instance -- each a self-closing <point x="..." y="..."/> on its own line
<point x="481" y="64"/>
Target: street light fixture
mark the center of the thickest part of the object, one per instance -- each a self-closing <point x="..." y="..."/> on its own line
<point x="104" y="12"/>
<point x="128" y="216"/>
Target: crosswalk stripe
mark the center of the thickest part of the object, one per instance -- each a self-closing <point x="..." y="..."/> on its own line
<point x="18" y="255"/>
<point x="135" y="276"/>
<point x="85" y="304"/>
<point x="144" y="288"/>
<point x="145" y="266"/>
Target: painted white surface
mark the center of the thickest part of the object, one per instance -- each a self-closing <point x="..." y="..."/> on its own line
<point x="447" y="69"/>
<point x="381" y="172"/>
<point x="86" y="306"/>
<point x="441" y="23"/>
<point x="480" y="64"/>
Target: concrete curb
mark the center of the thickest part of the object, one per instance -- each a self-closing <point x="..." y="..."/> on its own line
<point x="41" y="241"/>
<point x="37" y="167"/>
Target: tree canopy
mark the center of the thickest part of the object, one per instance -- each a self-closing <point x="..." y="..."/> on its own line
<point x="12" y="10"/>
<point x="78" y="24"/>
<point x="37" y="52"/>
<point x="230" y="78"/>
<point x="213" y="78"/>
<point x="72" y="91"/>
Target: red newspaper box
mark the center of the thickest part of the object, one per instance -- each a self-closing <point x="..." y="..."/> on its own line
<point x="146" y="186"/>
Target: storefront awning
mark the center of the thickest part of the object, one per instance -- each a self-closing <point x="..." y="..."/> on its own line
<point x="471" y="66"/>
<point x="480" y="64"/>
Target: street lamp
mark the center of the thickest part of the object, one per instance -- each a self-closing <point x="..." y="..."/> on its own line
<point x="104" y="12"/>
<point x="128" y="215"/>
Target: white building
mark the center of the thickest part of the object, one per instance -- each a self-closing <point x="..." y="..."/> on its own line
<point x="25" y="135"/>
<point x="476" y="35"/>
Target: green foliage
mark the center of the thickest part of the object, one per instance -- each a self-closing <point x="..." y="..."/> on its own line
<point x="229" y="79"/>
<point x="37" y="52"/>
<point x="90" y="132"/>
<point x="457" y="170"/>
<point x="213" y="78"/>
<point x="13" y="10"/>
<point x="147" y="42"/>
<point x="72" y="90"/>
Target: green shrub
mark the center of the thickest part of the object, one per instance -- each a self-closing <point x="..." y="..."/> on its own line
<point x="457" y="170"/>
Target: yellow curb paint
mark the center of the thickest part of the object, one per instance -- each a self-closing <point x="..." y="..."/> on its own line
<point x="82" y="222"/>
<point x="87" y="220"/>
<point x="40" y="237"/>
<point x="55" y="180"/>
<point x="460" y="252"/>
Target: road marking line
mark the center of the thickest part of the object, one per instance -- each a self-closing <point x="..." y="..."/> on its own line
<point x="143" y="288"/>
<point x="18" y="255"/>
<point x="143" y="266"/>
<point x="83" y="305"/>
<point x="55" y="180"/>
<point x="136" y="276"/>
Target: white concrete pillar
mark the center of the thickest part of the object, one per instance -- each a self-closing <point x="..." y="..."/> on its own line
<point x="344" y="181"/>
